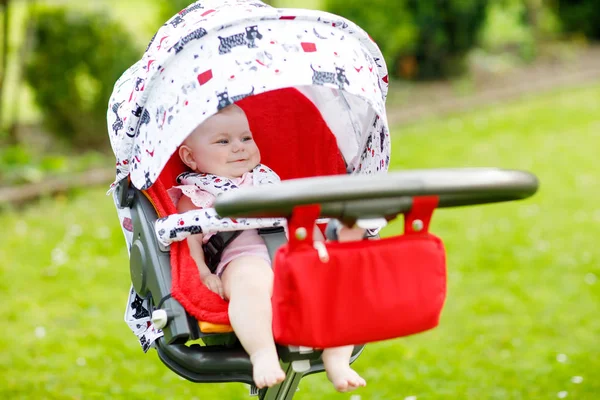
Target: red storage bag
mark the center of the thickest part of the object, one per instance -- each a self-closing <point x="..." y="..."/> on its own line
<point x="358" y="292"/>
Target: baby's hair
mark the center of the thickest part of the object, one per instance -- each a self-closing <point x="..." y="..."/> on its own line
<point x="230" y="108"/>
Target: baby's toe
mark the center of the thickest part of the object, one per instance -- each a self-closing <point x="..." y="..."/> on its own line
<point x="341" y="385"/>
<point x="260" y="382"/>
<point x="279" y="377"/>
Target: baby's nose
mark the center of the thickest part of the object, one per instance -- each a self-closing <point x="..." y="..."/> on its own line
<point x="237" y="145"/>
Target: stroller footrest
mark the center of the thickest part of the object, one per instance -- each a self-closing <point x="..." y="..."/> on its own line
<point x="206" y="364"/>
<point x="214" y="364"/>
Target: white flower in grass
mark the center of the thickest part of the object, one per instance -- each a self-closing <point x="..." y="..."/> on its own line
<point x="59" y="256"/>
<point x="585" y="180"/>
<point x="590" y="278"/>
<point x="81" y="361"/>
<point x="411" y="398"/>
<point x="577" y="379"/>
<point x="561" y="358"/>
<point x="562" y="394"/>
<point x="40" y="332"/>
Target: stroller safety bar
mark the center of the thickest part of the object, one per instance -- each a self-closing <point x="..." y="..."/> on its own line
<point x="350" y="197"/>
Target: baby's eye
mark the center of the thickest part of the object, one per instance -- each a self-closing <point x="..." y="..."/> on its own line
<point x="223" y="141"/>
<point x="246" y="138"/>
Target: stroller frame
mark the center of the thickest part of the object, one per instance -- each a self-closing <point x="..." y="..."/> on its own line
<point x="221" y="362"/>
<point x="218" y="52"/>
<point x="344" y="197"/>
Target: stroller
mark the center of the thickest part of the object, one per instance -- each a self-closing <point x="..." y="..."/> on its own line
<point x="313" y="86"/>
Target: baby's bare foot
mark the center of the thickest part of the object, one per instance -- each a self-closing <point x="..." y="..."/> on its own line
<point x="266" y="370"/>
<point x="343" y="378"/>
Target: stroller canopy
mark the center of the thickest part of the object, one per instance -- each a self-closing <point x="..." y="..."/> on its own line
<point x="217" y="52"/>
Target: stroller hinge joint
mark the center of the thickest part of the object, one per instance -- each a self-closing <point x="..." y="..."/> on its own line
<point x="125" y="194"/>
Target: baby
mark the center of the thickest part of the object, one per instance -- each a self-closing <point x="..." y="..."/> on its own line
<point x="223" y="146"/>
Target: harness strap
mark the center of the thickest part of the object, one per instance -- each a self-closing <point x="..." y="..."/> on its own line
<point x="274" y="238"/>
<point x="213" y="249"/>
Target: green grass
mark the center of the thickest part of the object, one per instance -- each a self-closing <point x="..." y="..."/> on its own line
<point x="307" y="4"/>
<point x="522" y="279"/>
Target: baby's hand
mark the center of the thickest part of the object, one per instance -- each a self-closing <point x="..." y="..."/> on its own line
<point x="214" y="283"/>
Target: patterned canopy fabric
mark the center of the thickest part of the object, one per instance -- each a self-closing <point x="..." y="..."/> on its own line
<point x="217" y="52"/>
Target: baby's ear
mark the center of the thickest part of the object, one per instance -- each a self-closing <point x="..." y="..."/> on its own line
<point x="187" y="156"/>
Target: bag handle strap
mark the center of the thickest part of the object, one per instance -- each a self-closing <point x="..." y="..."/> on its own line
<point x="418" y="218"/>
<point x="301" y="225"/>
<point x="302" y="222"/>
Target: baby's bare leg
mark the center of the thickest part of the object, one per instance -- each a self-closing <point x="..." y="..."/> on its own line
<point x="337" y="367"/>
<point x="248" y="283"/>
<point x="337" y="359"/>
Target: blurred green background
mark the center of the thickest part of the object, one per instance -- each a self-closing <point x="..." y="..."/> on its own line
<point x="507" y="83"/>
<point x="60" y="60"/>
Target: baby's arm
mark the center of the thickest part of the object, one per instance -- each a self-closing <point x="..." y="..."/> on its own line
<point x="195" y="244"/>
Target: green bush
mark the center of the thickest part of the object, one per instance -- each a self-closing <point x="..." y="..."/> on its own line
<point x="167" y="9"/>
<point x="75" y="61"/>
<point x="508" y="30"/>
<point x="579" y="16"/>
<point x="18" y="165"/>
<point x="389" y="22"/>
<point x="419" y="39"/>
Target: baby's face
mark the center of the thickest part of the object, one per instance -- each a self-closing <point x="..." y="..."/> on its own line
<point x="223" y="145"/>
